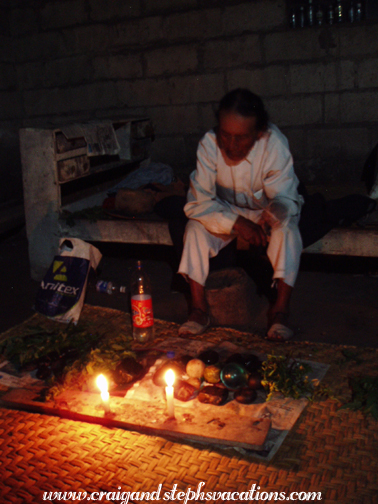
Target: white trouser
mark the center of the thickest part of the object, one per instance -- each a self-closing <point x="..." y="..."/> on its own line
<point x="284" y="250"/>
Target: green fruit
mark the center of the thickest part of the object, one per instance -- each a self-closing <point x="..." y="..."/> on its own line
<point x="234" y="376"/>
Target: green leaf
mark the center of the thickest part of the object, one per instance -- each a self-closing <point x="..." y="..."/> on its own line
<point x="364" y="395"/>
<point x="289" y="377"/>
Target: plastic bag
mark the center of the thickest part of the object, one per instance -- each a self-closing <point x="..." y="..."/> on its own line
<point x="62" y="290"/>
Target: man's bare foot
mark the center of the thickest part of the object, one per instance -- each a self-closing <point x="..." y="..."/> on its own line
<point x="198" y="315"/>
<point x="278" y="318"/>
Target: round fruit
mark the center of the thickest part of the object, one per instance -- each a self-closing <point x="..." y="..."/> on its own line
<point x="236" y="358"/>
<point x="195" y="368"/>
<point x="252" y="362"/>
<point x="234" y="376"/>
<point x="195" y="382"/>
<point x="212" y="374"/>
<point x="209" y="357"/>
<point x="127" y="370"/>
<point x="245" y="395"/>
<point x="213" y="395"/>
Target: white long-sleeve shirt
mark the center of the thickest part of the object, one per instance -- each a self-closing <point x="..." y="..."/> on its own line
<point x="219" y="192"/>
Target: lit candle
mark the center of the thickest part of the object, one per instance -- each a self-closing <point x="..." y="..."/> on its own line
<point x="102" y="384"/>
<point x="170" y="379"/>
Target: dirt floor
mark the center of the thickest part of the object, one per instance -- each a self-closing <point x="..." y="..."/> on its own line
<point x="335" y="300"/>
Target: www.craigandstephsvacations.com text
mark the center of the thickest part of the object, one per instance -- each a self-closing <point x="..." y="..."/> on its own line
<point x="189" y="495"/>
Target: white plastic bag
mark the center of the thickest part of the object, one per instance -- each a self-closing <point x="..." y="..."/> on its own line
<point x="62" y="290"/>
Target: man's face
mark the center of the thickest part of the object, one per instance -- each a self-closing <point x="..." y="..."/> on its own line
<point x="236" y="135"/>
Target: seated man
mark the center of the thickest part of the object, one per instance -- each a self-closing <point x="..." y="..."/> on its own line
<point x="244" y="185"/>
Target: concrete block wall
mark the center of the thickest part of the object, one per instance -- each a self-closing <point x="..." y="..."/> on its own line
<point x="10" y="114"/>
<point x="72" y="60"/>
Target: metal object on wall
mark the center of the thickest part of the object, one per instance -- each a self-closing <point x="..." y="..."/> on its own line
<point x="54" y="160"/>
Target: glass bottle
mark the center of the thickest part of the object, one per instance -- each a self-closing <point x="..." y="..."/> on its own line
<point x="109" y="287"/>
<point x="141" y="305"/>
<point x="330" y="14"/>
<point x="358" y="13"/>
<point x="339" y="11"/>
<point x="319" y="16"/>
<point x="351" y="12"/>
<point x="310" y="13"/>
<point x="301" y="16"/>
<point x="293" y="18"/>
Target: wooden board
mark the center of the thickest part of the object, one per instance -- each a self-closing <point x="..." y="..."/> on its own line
<point x="260" y="428"/>
<point x="198" y="422"/>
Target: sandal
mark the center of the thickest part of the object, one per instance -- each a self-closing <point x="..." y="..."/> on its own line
<point x="193" y="328"/>
<point x="279" y="331"/>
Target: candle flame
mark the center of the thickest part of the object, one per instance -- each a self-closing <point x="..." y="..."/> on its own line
<point x="102" y="384"/>
<point x="170" y="377"/>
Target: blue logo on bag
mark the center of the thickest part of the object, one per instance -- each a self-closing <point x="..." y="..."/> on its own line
<point x="62" y="285"/>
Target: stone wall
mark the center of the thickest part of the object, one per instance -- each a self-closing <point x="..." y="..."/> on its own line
<point x="11" y="114"/>
<point x="72" y="60"/>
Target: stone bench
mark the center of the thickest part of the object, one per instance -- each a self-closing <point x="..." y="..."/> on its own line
<point x="351" y="241"/>
<point x="347" y="241"/>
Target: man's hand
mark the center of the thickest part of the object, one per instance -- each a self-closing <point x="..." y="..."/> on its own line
<point x="250" y="232"/>
<point x="267" y="221"/>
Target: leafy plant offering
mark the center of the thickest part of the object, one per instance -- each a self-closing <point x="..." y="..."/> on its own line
<point x="287" y="376"/>
<point x="103" y="358"/>
<point x="37" y="343"/>
<point x="364" y="395"/>
<point x="68" y="356"/>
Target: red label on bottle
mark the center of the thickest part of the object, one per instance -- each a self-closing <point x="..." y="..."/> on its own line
<point x="141" y="310"/>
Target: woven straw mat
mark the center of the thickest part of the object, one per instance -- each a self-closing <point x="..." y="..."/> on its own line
<point x="329" y="450"/>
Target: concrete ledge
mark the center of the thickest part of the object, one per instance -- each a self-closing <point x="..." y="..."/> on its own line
<point x="121" y="231"/>
<point x="361" y="242"/>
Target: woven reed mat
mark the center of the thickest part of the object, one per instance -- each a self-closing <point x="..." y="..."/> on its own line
<point x="330" y="450"/>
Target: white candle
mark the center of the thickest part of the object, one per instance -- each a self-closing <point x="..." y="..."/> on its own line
<point x="102" y="384"/>
<point x="170" y="379"/>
